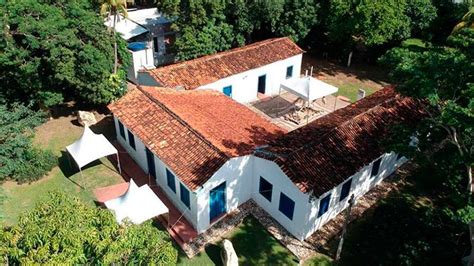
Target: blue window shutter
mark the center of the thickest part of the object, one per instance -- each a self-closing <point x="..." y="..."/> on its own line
<point x="265" y="189"/>
<point x="289" y="72"/>
<point x="121" y="129"/>
<point x="184" y="192"/>
<point x="131" y="140"/>
<point x="170" y="180"/>
<point x="375" y="167"/>
<point x="227" y="91"/>
<point x="324" y="205"/>
<point x="346" y="188"/>
<point x="286" y="206"/>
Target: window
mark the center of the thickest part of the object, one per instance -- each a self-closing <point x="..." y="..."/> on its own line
<point x="131" y="140"/>
<point x="121" y="129"/>
<point x="227" y="90"/>
<point x="324" y="205"/>
<point x="287" y="206"/>
<point x="346" y="188"/>
<point x="265" y="189"/>
<point x="375" y="167"/>
<point x="184" y="192"/>
<point x="399" y="156"/>
<point x="289" y="72"/>
<point x="170" y="180"/>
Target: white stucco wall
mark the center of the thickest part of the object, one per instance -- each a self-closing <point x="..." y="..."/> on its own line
<point x="140" y="60"/>
<point x="271" y="172"/>
<point x="245" y="84"/>
<point x="237" y="173"/>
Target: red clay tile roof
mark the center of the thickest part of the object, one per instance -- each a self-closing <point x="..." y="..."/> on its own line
<point x="204" y="70"/>
<point x="193" y="132"/>
<point x="321" y="155"/>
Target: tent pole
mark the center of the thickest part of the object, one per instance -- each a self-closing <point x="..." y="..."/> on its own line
<point x="335" y="100"/>
<point x="118" y="163"/>
<point x="307" y="111"/>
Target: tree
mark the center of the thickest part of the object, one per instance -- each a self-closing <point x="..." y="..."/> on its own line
<point x="64" y="230"/>
<point x="115" y="9"/>
<point x="208" y="27"/>
<point x="51" y="51"/>
<point x="443" y="77"/>
<point x="467" y="21"/>
<point x="19" y="160"/>
<point x="359" y="23"/>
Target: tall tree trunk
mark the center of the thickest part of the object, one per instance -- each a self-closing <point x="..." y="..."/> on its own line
<point x="115" y="45"/>
<point x="349" y="59"/>
<point x="469" y="176"/>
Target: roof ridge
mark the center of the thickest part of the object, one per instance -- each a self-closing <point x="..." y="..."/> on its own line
<point x="225" y="52"/>
<point x="179" y="119"/>
<point x="352" y="119"/>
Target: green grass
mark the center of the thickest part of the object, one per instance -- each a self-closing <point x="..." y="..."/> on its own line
<point x="350" y="89"/>
<point x="253" y="245"/>
<point x="55" y="135"/>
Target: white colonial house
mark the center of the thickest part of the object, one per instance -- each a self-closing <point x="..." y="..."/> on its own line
<point x="210" y="154"/>
<point x="243" y="73"/>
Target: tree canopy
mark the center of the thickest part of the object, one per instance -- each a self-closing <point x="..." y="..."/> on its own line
<point x="208" y="27"/>
<point x="64" y="230"/>
<point x="443" y="77"/>
<point x="19" y="160"/>
<point x="57" y="50"/>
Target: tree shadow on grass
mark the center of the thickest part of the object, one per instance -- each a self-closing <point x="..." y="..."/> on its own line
<point x="214" y="253"/>
<point x="255" y="246"/>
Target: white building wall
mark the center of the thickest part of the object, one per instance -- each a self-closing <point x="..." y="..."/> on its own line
<point x="142" y="59"/>
<point x="271" y="172"/>
<point x="361" y="184"/>
<point x="237" y="173"/>
<point x="245" y="84"/>
<point x="139" y="156"/>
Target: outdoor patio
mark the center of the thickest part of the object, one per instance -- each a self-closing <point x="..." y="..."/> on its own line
<point x="290" y="111"/>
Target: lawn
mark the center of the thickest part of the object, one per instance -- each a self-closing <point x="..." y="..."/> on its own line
<point x="348" y="79"/>
<point x="254" y="246"/>
<point x="55" y="135"/>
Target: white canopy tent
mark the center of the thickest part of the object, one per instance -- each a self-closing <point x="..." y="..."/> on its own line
<point x="91" y="147"/>
<point x="138" y="204"/>
<point x="308" y="88"/>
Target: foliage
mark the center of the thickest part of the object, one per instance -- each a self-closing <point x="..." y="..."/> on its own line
<point x="377" y="22"/>
<point x="19" y="160"/>
<point x="448" y="14"/>
<point x="426" y="223"/>
<point x="443" y="77"/>
<point x="207" y="26"/>
<point x="64" y="230"/>
<point x="56" y="50"/>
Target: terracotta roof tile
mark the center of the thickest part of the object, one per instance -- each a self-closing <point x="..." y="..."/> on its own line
<point x="204" y="70"/>
<point x="193" y="132"/>
<point x="321" y="155"/>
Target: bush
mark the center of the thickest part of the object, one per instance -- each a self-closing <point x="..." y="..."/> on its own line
<point x="64" y="230"/>
<point x="19" y="160"/>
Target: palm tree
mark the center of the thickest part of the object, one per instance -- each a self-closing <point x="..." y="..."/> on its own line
<point x="114" y="8"/>
<point x="467" y="21"/>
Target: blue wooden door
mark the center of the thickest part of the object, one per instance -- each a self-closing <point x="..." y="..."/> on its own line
<point x="217" y="201"/>
<point x="150" y="158"/>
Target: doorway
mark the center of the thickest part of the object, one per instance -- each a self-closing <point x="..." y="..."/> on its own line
<point x="217" y="202"/>
<point x="262" y="82"/>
